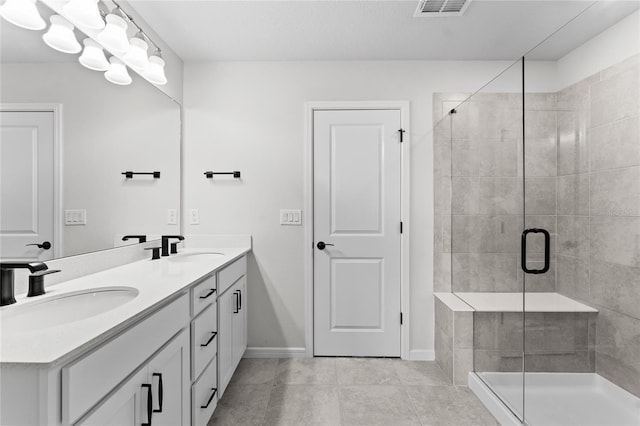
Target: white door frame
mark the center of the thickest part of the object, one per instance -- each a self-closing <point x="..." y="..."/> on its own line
<point x="307" y="216"/>
<point x="56" y="109"/>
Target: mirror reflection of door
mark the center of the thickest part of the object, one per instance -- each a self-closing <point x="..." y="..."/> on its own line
<point x="27" y="185"/>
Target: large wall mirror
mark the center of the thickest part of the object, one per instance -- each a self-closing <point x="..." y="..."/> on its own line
<point x="67" y="136"/>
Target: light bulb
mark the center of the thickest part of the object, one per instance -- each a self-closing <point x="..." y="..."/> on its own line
<point x="117" y="72"/>
<point x="60" y="35"/>
<point x="137" y="57"/>
<point x="23" y="13"/>
<point x="114" y="35"/>
<point x="84" y="13"/>
<point x="93" y="57"/>
<point x="155" y="71"/>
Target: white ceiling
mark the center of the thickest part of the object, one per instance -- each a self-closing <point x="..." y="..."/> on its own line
<point x="212" y="30"/>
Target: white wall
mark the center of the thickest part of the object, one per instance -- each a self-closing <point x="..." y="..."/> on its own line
<point x="610" y="47"/>
<point x="248" y="116"/>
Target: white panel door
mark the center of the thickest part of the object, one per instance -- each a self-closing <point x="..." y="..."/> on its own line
<point x="26" y="184"/>
<point x="357" y="196"/>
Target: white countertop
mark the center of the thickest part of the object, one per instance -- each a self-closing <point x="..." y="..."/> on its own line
<point x="512" y="302"/>
<point x="157" y="281"/>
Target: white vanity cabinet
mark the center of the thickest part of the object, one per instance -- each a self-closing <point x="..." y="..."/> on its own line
<point x="165" y="365"/>
<point x="156" y="361"/>
<point x="158" y="393"/>
<point x="232" y="320"/>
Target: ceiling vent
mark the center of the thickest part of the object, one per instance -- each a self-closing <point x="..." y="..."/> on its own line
<point x="440" y="8"/>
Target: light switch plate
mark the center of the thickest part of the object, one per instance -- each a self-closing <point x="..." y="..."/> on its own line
<point x="75" y="217"/>
<point x="291" y="217"/>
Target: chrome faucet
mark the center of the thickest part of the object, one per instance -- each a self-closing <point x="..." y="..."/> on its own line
<point x="165" y="244"/>
<point x="36" y="279"/>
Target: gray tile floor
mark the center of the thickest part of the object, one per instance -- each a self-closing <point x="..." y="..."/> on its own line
<point x="345" y="391"/>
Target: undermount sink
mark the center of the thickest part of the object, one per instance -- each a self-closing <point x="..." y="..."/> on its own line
<point x="65" y="308"/>
<point x="196" y="256"/>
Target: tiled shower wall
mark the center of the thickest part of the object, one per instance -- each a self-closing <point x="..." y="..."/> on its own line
<point x="583" y="185"/>
<point x="479" y="187"/>
<point x="598" y="259"/>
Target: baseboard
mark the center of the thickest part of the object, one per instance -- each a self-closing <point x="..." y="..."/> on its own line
<point x="275" y="353"/>
<point x="422" y="355"/>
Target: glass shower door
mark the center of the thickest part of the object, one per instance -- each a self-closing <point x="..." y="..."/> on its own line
<point x="486" y="223"/>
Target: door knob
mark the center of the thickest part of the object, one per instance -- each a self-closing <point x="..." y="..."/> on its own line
<point x="45" y="245"/>
<point x="321" y="245"/>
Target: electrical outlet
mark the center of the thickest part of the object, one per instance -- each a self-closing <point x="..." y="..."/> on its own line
<point x="75" y="217"/>
<point x="194" y="217"/>
<point x="172" y="217"/>
<point x="290" y="217"/>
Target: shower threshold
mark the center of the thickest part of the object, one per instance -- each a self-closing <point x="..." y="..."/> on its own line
<point x="557" y="399"/>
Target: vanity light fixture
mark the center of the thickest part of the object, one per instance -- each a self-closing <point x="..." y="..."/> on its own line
<point x="60" y="36"/>
<point x="114" y="35"/>
<point x="23" y="13"/>
<point x="155" y="70"/>
<point x="117" y="72"/>
<point x="93" y="56"/>
<point x="85" y="13"/>
<point x="137" y="57"/>
<point x="87" y="16"/>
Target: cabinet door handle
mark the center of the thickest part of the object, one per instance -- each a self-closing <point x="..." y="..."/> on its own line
<point x="149" y="404"/>
<point x="210" y="398"/>
<point x="206" y="296"/>
<point x="213" y="336"/>
<point x="237" y="308"/>
<point x="240" y="299"/>
<point x="160" y="392"/>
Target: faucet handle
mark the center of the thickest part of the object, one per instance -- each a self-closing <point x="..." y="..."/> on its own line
<point x="174" y="247"/>
<point x="45" y="272"/>
<point x="155" y="254"/>
<point x="36" y="282"/>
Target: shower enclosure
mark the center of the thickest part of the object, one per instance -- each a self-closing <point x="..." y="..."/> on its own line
<point x="537" y="188"/>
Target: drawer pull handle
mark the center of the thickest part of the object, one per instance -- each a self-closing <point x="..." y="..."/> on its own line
<point x="240" y="299"/>
<point x="160" y="392"/>
<point x="206" y="296"/>
<point x="213" y="336"/>
<point x="149" y="404"/>
<point x="210" y="398"/>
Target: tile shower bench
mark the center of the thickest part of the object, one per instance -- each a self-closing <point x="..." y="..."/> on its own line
<point x="484" y="332"/>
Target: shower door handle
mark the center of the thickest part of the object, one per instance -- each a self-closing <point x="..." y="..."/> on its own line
<point x="523" y="249"/>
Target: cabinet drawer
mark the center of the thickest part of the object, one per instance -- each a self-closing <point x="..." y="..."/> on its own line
<point x="231" y="273"/>
<point x="88" y="379"/>
<point x="204" y="395"/>
<point x="204" y="341"/>
<point x="202" y="295"/>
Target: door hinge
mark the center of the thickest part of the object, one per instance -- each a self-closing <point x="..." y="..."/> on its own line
<point x="400" y="318"/>
<point x="401" y="134"/>
<point x="401" y="227"/>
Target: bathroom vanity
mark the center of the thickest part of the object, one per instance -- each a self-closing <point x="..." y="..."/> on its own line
<point x="149" y="342"/>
